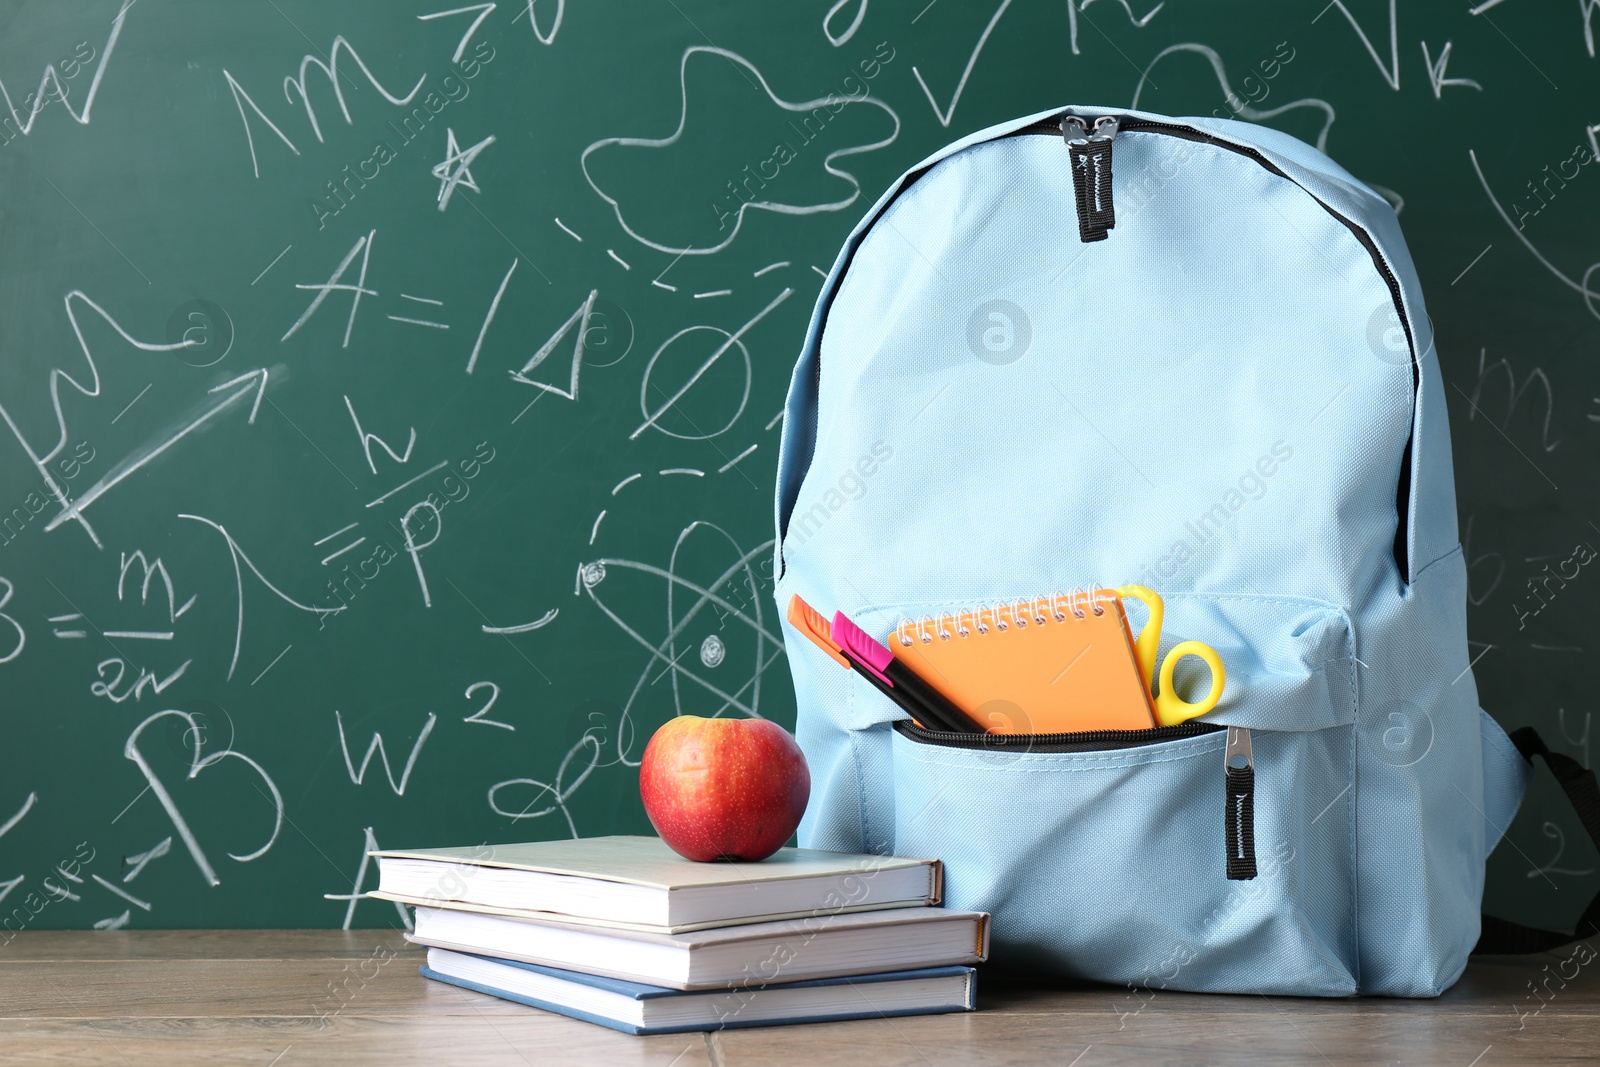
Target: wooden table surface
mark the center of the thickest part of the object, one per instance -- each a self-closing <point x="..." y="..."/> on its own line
<point x="268" y="997"/>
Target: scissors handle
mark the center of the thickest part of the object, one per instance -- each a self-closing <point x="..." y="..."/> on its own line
<point x="1171" y="709"/>
<point x="1149" y="640"/>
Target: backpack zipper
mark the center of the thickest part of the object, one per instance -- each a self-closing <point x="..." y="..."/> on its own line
<point x="1238" y="765"/>
<point x="1089" y="151"/>
<point x="1189" y="133"/>
<point x="1239" y="825"/>
<point x="1068" y="126"/>
<point x="1058" y="127"/>
<point x="1080" y="741"/>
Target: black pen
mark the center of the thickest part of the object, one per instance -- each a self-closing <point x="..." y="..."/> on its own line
<point x="877" y="662"/>
<point x="809" y="621"/>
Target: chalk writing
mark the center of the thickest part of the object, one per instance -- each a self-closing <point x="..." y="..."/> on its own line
<point x="198" y="763"/>
<point x="494" y="694"/>
<point x="456" y="169"/>
<point x="375" y="746"/>
<point x="37" y="99"/>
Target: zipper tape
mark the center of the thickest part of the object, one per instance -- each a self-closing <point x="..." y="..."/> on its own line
<point x="1073" y="129"/>
<point x="1081" y="741"/>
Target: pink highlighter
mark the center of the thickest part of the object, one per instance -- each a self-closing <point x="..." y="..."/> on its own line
<point x="938" y="712"/>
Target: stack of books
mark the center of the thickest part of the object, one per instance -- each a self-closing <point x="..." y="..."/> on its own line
<point x="623" y="932"/>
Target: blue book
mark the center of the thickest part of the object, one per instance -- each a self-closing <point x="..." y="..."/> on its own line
<point x="646" y="1009"/>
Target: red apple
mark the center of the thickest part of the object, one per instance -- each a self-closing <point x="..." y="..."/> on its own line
<point x="724" y="788"/>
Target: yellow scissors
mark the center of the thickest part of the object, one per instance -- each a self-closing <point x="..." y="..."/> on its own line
<point x="1171" y="709"/>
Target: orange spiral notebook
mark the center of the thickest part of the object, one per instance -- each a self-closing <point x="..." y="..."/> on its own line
<point x="1060" y="664"/>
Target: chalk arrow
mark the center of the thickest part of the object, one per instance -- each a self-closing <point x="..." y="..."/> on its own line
<point x="253" y="382"/>
<point x="261" y="390"/>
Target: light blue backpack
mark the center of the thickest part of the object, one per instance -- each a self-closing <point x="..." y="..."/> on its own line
<point x="1188" y="353"/>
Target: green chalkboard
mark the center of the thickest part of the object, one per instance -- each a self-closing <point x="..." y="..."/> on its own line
<point x="391" y="391"/>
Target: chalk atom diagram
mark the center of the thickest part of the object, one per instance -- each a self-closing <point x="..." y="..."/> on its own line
<point x="722" y="621"/>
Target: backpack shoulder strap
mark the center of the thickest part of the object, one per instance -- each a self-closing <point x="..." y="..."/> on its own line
<point x="1502" y="937"/>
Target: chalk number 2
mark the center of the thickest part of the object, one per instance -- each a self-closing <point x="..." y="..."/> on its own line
<point x="477" y="716"/>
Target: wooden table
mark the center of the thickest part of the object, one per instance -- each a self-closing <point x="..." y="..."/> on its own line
<point x="277" y="998"/>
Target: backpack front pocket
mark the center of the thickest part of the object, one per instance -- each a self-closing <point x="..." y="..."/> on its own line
<point x="1136" y="857"/>
<point x="1112" y="864"/>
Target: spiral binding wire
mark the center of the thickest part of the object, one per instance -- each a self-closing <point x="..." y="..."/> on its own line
<point x="983" y="619"/>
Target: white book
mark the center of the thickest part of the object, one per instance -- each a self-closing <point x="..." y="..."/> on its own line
<point x="638" y="882"/>
<point x="790" y="950"/>
<point x="643" y="1009"/>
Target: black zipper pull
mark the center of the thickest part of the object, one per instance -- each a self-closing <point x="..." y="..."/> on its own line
<point x="1240" y="771"/>
<point x="1089" y="152"/>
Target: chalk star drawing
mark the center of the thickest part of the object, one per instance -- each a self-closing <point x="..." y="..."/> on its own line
<point x="731" y="603"/>
<point x="461" y="161"/>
